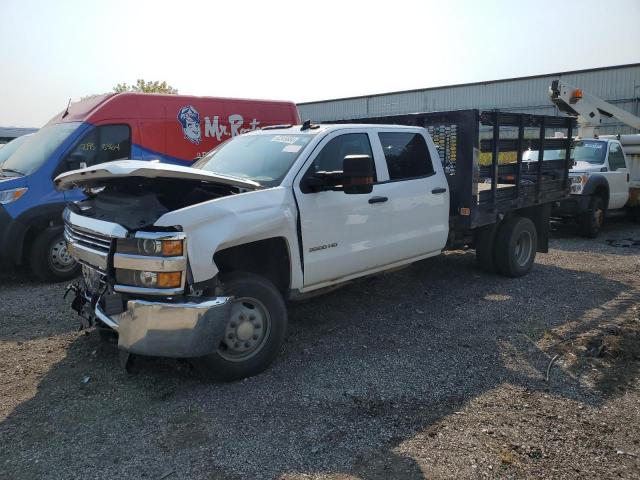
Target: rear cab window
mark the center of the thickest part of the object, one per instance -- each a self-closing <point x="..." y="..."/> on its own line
<point x="406" y="154"/>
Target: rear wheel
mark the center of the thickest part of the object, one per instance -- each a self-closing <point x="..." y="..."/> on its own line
<point x="515" y="246"/>
<point x="49" y="258"/>
<point x="255" y="330"/>
<point x="592" y="220"/>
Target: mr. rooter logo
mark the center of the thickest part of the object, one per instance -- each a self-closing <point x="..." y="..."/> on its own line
<point x="189" y="119"/>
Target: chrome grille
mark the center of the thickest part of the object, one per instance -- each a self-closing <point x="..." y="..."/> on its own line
<point x="91" y="240"/>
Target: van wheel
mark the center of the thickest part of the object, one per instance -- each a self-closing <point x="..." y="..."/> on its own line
<point x="515" y="246"/>
<point x="592" y="220"/>
<point x="254" y="333"/>
<point x="49" y="258"/>
<point x="485" y="257"/>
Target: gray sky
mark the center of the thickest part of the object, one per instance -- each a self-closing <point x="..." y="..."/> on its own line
<point x="295" y="50"/>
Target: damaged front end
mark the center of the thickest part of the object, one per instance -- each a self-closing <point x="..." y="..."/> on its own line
<point x="134" y="283"/>
<point x="136" y="276"/>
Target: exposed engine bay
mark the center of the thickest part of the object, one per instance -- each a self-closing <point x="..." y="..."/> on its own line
<point x="137" y="202"/>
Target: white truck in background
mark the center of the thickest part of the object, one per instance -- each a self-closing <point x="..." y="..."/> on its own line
<point x="605" y="177"/>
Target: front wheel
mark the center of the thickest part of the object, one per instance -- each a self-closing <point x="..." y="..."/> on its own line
<point x="592" y="220"/>
<point x="515" y="246"/>
<point x="254" y="332"/>
<point x="50" y="260"/>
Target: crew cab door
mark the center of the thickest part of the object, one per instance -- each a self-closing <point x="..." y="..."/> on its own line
<point x="617" y="176"/>
<point x="342" y="234"/>
<point x="418" y="193"/>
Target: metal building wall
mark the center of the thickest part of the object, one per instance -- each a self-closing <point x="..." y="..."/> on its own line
<point x="618" y="85"/>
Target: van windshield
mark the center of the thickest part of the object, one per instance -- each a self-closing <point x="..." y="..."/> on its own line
<point x="12" y="146"/>
<point x="35" y="151"/>
<point x="265" y="159"/>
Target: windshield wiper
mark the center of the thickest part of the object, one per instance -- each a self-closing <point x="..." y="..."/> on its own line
<point x="12" y="170"/>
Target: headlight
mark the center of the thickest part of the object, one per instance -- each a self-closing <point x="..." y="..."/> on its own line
<point x="151" y="247"/>
<point x="578" y="182"/>
<point x="8" y="196"/>
<point x="138" y="278"/>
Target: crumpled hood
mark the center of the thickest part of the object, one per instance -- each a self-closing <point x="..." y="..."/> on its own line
<point x="580" y="167"/>
<point x="96" y="175"/>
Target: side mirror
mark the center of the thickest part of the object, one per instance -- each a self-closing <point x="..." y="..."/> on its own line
<point x="358" y="172"/>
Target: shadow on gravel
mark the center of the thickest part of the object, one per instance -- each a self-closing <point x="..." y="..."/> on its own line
<point x="363" y="370"/>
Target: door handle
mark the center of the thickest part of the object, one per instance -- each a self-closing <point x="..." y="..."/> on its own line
<point x="378" y="199"/>
<point x="439" y="190"/>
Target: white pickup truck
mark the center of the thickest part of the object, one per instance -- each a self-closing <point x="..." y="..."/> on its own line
<point x="601" y="183"/>
<point x="604" y="180"/>
<point x="606" y="169"/>
<point x="199" y="262"/>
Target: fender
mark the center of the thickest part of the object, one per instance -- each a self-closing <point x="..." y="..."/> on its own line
<point x="230" y="221"/>
<point x="13" y="238"/>
<point x="595" y="182"/>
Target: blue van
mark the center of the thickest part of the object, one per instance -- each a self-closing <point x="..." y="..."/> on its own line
<point x="170" y="128"/>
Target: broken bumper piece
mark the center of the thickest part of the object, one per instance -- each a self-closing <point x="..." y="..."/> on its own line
<point x="179" y="330"/>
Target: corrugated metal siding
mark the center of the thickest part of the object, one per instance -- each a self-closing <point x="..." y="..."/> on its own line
<point x="618" y="85"/>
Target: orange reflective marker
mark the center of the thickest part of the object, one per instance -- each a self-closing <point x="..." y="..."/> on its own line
<point x="171" y="248"/>
<point x="169" y="279"/>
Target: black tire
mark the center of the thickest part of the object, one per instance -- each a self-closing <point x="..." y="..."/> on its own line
<point x="485" y="254"/>
<point x="592" y="220"/>
<point x="49" y="258"/>
<point x="515" y="246"/>
<point x="228" y="364"/>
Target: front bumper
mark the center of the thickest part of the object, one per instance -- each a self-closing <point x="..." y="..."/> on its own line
<point x="571" y="206"/>
<point x="179" y="330"/>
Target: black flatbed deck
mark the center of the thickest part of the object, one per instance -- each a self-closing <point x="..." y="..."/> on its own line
<point x="482" y="151"/>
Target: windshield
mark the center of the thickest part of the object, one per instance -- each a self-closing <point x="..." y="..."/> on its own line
<point x="35" y="151"/>
<point x="591" y="151"/>
<point x="265" y="159"/>
<point x="12" y="146"/>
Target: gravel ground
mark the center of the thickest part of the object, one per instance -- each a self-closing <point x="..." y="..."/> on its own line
<point x="435" y="371"/>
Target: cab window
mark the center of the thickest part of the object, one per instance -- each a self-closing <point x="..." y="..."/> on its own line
<point x="332" y="154"/>
<point x="616" y="157"/>
<point x="102" y="144"/>
<point x="406" y="154"/>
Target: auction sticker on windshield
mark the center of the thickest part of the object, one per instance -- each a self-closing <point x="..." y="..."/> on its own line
<point x="285" y="139"/>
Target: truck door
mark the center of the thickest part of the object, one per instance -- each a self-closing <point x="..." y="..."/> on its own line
<point x="418" y="194"/>
<point x="617" y="176"/>
<point x="342" y="235"/>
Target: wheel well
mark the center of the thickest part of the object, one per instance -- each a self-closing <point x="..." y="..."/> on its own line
<point x="269" y="258"/>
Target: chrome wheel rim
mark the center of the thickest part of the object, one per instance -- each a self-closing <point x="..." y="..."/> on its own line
<point x="247" y="330"/>
<point x="60" y="258"/>
<point x="524" y="247"/>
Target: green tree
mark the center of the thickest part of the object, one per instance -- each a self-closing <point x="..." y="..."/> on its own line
<point x="146" y="87"/>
